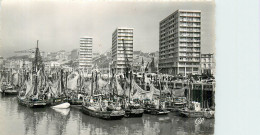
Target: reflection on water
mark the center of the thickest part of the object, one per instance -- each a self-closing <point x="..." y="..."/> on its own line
<point x="16" y="119"/>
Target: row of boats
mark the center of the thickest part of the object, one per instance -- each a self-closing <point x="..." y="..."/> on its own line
<point x="106" y="98"/>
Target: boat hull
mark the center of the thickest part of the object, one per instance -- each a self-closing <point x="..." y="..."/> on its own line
<point x="10" y="91"/>
<point x="56" y="101"/>
<point x="154" y="111"/>
<point x="107" y="115"/>
<point x="75" y="102"/>
<point x="31" y="104"/>
<point x="191" y="114"/>
<point x="134" y="113"/>
<point x="209" y="114"/>
<point x="62" y="106"/>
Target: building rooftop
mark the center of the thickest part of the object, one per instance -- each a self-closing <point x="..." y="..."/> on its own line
<point x="85" y="37"/>
<point x="124" y="28"/>
<point x="182" y="10"/>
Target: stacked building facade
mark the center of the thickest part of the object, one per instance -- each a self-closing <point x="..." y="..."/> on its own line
<point x="180" y="43"/>
<point x="122" y="49"/>
<point x="85" y="53"/>
<point x="207" y="63"/>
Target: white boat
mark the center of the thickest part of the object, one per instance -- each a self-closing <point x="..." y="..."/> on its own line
<point x="64" y="112"/>
<point x="62" y="106"/>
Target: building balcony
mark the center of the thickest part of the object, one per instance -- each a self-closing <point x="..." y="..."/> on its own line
<point x="194" y="50"/>
<point x="195" y="30"/>
<point x="189" y="35"/>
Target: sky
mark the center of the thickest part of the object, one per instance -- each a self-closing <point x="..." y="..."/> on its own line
<point x="58" y="25"/>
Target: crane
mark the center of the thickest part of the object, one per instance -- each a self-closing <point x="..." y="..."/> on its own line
<point x="127" y="61"/>
<point x="146" y="68"/>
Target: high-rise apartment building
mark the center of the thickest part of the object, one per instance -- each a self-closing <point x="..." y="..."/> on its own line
<point x="85" y="53"/>
<point x="180" y="41"/>
<point x="122" y="49"/>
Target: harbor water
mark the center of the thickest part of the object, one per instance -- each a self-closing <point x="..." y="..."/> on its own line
<point x="19" y="120"/>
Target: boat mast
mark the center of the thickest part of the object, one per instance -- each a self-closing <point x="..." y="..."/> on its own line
<point x="202" y="99"/>
<point x="12" y="79"/>
<point x="127" y="69"/>
<point x="96" y="81"/>
<point x="35" y="69"/>
<point x="112" y="83"/>
<point x="160" y="93"/>
<point x="130" y="85"/>
<point x="92" y="81"/>
<point x="61" y="82"/>
<point x="189" y="94"/>
<point x="66" y="81"/>
<point x="79" y="81"/>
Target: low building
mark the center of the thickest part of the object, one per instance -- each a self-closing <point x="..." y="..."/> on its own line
<point x="1" y="62"/>
<point x="74" y="54"/>
<point x="52" y="64"/>
<point x="207" y="63"/>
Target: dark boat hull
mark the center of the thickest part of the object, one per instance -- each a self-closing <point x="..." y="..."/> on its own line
<point x="154" y="111"/>
<point x="107" y="115"/>
<point x="31" y="104"/>
<point x="75" y="102"/>
<point x="10" y="92"/>
<point x="134" y="113"/>
<point x="56" y="101"/>
<point x="191" y="114"/>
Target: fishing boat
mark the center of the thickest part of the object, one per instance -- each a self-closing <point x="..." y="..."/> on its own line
<point x="76" y="92"/>
<point x="97" y="107"/>
<point x="76" y="99"/>
<point x="155" y="109"/>
<point x="9" y="89"/>
<point x="96" y="110"/>
<point x="158" y="108"/>
<point x="194" y="110"/>
<point x="58" y="98"/>
<point x="30" y="94"/>
<point x="178" y="103"/>
<point x="197" y="112"/>
<point x="132" y="109"/>
<point x="27" y="98"/>
<point x="10" y="86"/>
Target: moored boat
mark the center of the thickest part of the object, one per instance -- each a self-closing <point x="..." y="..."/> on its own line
<point x="9" y="90"/>
<point x="178" y="103"/>
<point x="105" y="113"/>
<point x="196" y="112"/>
<point x="62" y="106"/>
<point x="31" y="93"/>
<point x="10" y="85"/>
<point x="134" y="110"/>
<point x="158" y="108"/>
<point x="152" y="109"/>
<point x="31" y="102"/>
<point x="101" y="108"/>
